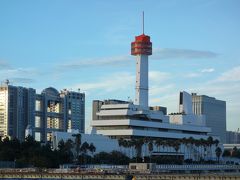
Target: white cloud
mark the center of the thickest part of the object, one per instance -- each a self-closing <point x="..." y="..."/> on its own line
<point x="192" y="75"/>
<point x="158" y="77"/>
<point x="19" y="75"/>
<point x="4" y="65"/>
<point x="158" y="90"/>
<point x="207" y="70"/>
<point x="158" y="54"/>
<point x="231" y="75"/>
<point x="93" y="63"/>
<point x="110" y="83"/>
<point x="199" y="74"/>
<point x="171" y="53"/>
<point x="123" y="80"/>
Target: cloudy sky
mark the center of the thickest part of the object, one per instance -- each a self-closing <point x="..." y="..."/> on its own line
<point x="86" y="44"/>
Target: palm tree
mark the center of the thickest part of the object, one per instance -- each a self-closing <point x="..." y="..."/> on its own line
<point x="68" y="149"/>
<point x="216" y="142"/>
<point x="164" y="143"/>
<point x="77" y="144"/>
<point x="185" y="143"/>
<point x="92" y="148"/>
<point x="120" y="143"/>
<point x="176" y="145"/>
<point x="150" y="149"/>
<point x="137" y="143"/>
<point x="84" y="148"/>
<point x="198" y="144"/>
<point x="210" y="143"/>
<point x="170" y="144"/>
<point x="129" y="145"/>
<point x="202" y="144"/>
<point x="218" y="152"/>
<point x="145" y="141"/>
<point x="234" y="152"/>
<point x="158" y="143"/>
<point x="191" y="142"/>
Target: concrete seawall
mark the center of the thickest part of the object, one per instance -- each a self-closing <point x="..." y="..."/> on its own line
<point x="79" y="176"/>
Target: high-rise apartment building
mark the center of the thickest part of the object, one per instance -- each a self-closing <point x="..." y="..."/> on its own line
<point x="22" y="108"/>
<point x="16" y="110"/>
<point x="215" y="112"/>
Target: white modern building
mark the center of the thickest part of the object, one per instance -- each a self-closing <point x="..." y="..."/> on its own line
<point x="122" y="119"/>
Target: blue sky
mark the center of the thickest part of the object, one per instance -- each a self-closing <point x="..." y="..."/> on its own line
<point x="86" y="44"/>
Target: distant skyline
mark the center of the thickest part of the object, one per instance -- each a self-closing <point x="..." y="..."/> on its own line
<point x="86" y="44"/>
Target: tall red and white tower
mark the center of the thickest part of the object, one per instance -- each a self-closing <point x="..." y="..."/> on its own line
<point x="141" y="48"/>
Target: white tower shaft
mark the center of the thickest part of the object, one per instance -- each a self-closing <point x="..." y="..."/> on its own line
<point x="141" y="94"/>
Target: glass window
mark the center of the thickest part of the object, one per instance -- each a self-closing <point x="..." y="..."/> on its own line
<point x="37" y="136"/>
<point x="49" y="136"/>
<point x="37" y="121"/>
<point x="38" y="105"/>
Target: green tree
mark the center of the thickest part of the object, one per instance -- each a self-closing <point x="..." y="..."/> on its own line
<point x="77" y="144"/>
<point x="65" y="151"/>
<point x="121" y="143"/>
<point x="218" y="152"/>
<point x="210" y="142"/>
<point x="92" y="148"/>
<point x="85" y="147"/>
<point x="150" y="149"/>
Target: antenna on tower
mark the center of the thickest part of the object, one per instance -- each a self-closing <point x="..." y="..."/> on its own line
<point x="143" y="21"/>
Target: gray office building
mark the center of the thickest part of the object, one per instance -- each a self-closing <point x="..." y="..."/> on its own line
<point x="215" y="112"/>
<point x="233" y="137"/>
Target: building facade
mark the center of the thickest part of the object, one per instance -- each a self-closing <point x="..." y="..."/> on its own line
<point x="41" y="114"/>
<point x="233" y="137"/>
<point x="74" y="107"/>
<point x="214" y="111"/>
<point x="16" y="110"/>
<point x="58" y="111"/>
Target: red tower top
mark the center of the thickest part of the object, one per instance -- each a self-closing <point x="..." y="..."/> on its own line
<point x="141" y="46"/>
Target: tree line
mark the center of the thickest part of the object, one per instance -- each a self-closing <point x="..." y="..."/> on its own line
<point x="31" y="153"/>
<point x="202" y="147"/>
